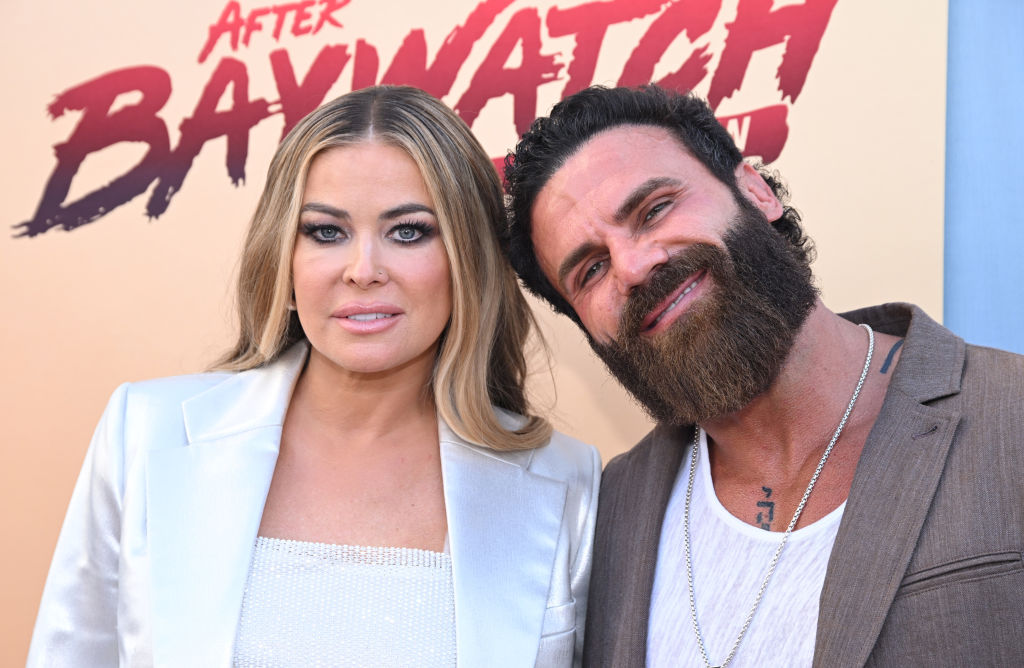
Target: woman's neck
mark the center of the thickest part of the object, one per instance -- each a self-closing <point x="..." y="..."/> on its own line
<point x="364" y="405"/>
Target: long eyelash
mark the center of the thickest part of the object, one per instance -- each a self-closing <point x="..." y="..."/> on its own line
<point x="310" y="230"/>
<point x="426" y="230"/>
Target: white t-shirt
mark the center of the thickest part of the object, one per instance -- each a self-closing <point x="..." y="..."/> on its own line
<point x="730" y="559"/>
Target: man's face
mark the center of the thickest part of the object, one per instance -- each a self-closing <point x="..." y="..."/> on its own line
<point x="689" y="295"/>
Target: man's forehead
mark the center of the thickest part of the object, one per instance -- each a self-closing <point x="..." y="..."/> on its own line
<point x="597" y="179"/>
<point x="607" y="163"/>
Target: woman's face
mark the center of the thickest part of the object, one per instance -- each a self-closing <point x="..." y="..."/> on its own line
<point x="371" y="275"/>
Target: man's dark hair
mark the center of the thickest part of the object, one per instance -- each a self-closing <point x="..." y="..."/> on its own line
<point x="552" y="140"/>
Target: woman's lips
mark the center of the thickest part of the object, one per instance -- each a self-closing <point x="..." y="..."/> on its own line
<point x="673" y="306"/>
<point x="367" y="318"/>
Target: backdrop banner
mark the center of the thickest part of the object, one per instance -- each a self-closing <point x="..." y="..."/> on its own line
<point x="984" y="230"/>
<point x="137" y="138"/>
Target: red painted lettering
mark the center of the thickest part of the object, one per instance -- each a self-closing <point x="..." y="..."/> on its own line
<point x="230" y="22"/>
<point x="756" y="26"/>
<point x="327" y="13"/>
<point x="589" y="22"/>
<point x="252" y="23"/>
<point x="207" y="123"/>
<point x="799" y="27"/>
<point x="410" y="63"/>
<point x="493" y="79"/>
<point x="297" y="100"/>
<point x="98" y="129"/>
<point x="302" y="15"/>
<point x="695" y="18"/>
<point x="764" y="131"/>
<point x="364" y="69"/>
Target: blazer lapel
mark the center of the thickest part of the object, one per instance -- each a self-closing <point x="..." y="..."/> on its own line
<point x="503" y="527"/>
<point x="892" y="490"/>
<point x="205" y="503"/>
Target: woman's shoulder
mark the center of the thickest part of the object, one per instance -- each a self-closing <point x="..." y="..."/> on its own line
<point x="565" y="448"/>
<point x="578" y="466"/>
<point x="176" y="388"/>
<point x="173" y="390"/>
<point x="160" y="395"/>
<point x="571" y="460"/>
<point x="156" y="404"/>
<point x="562" y="457"/>
<point x="206" y="405"/>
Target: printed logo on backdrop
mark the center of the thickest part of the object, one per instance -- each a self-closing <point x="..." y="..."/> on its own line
<point x="516" y="63"/>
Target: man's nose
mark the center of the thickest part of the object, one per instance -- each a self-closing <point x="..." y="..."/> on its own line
<point x="633" y="261"/>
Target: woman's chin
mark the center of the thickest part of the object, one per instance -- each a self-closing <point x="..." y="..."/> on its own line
<point x="374" y="360"/>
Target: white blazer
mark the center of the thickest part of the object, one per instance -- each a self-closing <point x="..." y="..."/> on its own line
<point x="152" y="560"/>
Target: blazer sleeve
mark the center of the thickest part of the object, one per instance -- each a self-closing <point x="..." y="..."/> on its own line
<point x="77" y="620"/>
<point x="584" y="558"/>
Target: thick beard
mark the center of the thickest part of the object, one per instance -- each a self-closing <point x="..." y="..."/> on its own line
<point x="729" y="346"/>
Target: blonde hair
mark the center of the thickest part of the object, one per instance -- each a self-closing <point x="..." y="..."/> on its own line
<point x="481" y="360"/>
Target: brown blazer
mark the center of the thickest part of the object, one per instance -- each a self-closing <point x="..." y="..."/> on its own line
<point x="927" y="566"/>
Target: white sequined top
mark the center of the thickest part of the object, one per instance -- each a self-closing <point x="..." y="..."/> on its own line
<point x="315" y="604"/>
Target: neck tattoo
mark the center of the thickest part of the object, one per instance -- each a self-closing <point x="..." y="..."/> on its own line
<point x="785" y="536"/>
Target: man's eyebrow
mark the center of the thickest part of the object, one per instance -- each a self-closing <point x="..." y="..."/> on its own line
<point x="326" y="209"/>
<point x="572" y="259"/>
<point x="640" y="193"/>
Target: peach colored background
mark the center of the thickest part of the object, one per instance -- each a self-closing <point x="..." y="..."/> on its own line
<point x="126" y="298"/>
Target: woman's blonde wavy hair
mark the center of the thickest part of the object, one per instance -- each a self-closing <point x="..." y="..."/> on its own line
<point x="481" y="360"/>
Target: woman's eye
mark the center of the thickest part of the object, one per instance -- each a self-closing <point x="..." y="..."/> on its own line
<point x="410" y="233"/>
<point x="407" y="234"/>
<point x="322" y="234"/>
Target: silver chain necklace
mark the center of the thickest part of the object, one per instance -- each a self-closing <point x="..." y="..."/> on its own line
<point x="789" y="529"/>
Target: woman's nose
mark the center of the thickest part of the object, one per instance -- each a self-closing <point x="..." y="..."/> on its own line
<point x="365" y="267"/>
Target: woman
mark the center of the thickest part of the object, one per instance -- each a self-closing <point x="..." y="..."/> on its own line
<point x="357" y="484"/>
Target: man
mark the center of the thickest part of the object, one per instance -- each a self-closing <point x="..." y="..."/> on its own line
<point x="896" y="449"/>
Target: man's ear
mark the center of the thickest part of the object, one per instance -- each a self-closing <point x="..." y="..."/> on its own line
<point x="757" y="191"/>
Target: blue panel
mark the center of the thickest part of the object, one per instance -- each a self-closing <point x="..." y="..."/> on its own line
<point x="984" y="244"/>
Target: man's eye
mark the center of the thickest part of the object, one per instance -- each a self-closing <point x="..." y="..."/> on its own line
<point x="655" y="210"/>
<point x="590" y="272"/>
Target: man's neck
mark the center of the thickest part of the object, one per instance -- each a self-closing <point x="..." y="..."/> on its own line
<point x="776" y="441"/>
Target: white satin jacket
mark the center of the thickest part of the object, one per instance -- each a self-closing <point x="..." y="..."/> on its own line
<point x="152" y="561"/>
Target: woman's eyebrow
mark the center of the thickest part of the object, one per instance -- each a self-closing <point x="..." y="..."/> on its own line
<point x="332" y="211"/>
<point x="405" y="210"/>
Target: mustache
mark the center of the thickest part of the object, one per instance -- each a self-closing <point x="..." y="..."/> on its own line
<point x="665" y="280"/>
